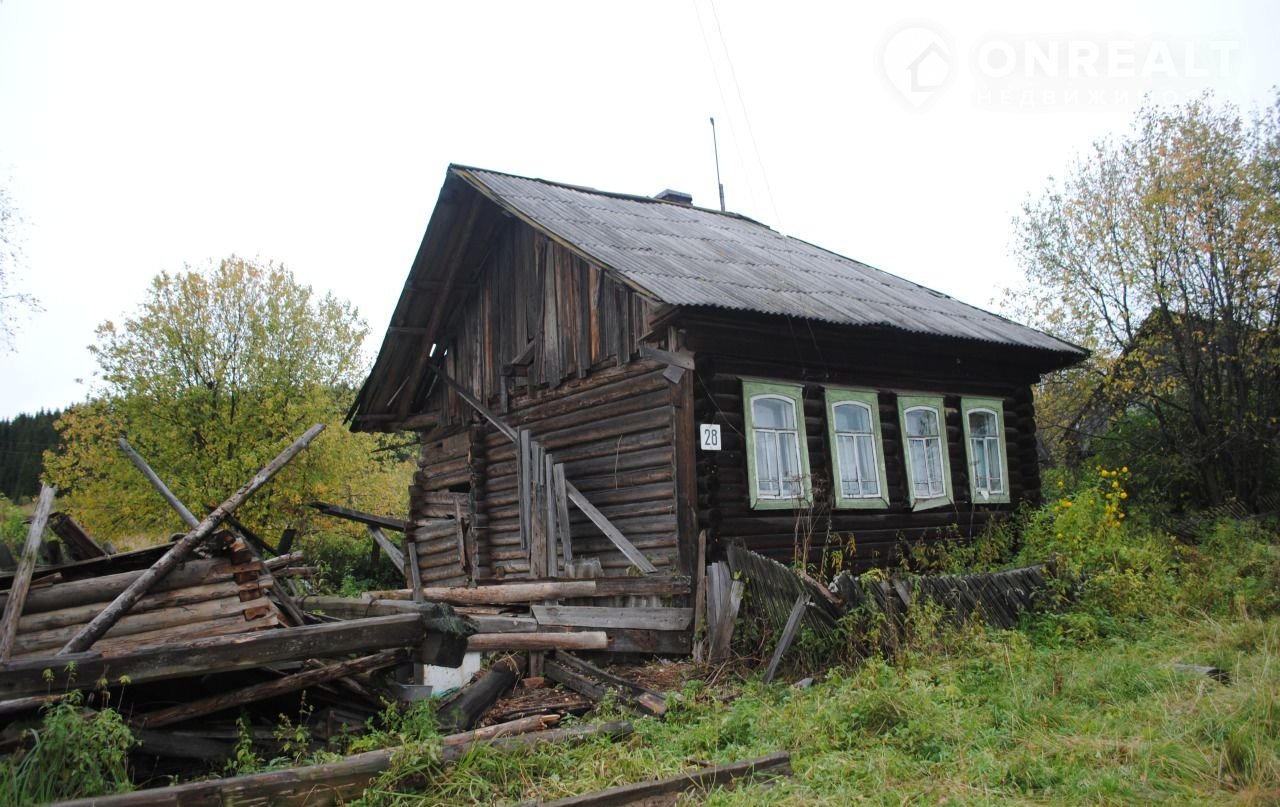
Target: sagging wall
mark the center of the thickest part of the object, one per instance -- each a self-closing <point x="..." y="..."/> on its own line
<point x="550" y="342"/>
<point x="887" y="364"/>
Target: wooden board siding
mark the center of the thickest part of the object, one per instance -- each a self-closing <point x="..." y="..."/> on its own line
<point x="538" y="316"/>
<point x="801" y="356"/>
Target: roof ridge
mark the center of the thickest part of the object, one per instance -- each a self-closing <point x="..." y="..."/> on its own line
<point x="633" y="197"/>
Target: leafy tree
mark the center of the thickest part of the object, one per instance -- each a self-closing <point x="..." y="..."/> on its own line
<point x="213" y="375"/>
<point x="1159" y="251"/>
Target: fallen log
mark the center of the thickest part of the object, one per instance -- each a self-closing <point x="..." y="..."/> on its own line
<point x="703" y="780"/>
<point x="530" y="591"/>
<point x="588" y="679"/>
<point x="125" y="600"/>
<point x="270" y="689"/>
<point x="25" y="677"/>
<point x="466" y="708"/>
<point x="329" y="783"/>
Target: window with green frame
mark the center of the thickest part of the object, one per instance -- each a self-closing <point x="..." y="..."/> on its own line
<point x="985" y="447"/>
<point x="857" y="451"/>
<point x="924" y="443"/>
<point x="777" y="454"/>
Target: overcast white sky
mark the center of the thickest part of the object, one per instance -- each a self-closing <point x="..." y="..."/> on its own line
<point x="139" y="137"/>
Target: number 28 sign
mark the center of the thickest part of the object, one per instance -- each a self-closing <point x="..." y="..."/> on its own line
<point x="710" y="436"/>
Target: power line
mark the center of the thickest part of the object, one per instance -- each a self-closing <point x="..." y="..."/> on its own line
<point x="724" y="102"/>
<point x="745" y="115"/>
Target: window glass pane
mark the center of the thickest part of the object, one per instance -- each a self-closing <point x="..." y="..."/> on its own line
<point x="922" y="423"/>
<point x="766" y="463"/>
<point x="919" y="470"/>
<point x="995" y="472"/>
<point x="853" y="417"/>
<point x="981" y="463"/>
<point x="847" y="464"/>
<point x="934" y="448"/>
<point x="867" y="465"/>
<point x="773" y="413"/>
<point x="982" y="424"/>
<point x="789" y="451"/>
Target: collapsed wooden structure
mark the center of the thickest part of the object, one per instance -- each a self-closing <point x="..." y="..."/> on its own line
<point x="600" y="381"/>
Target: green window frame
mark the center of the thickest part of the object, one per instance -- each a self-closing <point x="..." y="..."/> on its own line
<point x="922" y="419"/>
<point x="777" y="450"/>
<point x="987" y="453"/>
<point x="857" y="449"/>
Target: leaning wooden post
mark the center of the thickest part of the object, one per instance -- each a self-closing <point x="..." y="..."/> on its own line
<point x="290" y="608"/>
<point x="22" y="577"/>
<point x="100" y="624"/>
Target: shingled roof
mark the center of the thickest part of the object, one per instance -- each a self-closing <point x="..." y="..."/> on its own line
<point x="691" y="256"/>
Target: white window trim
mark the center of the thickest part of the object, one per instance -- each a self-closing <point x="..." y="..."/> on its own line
<point x="996" y="407"/>
<point x="751" y="390"/>
<point x="836" y="396"/>
<point x="907" y="403"/>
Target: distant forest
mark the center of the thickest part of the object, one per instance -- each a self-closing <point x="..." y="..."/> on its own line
<point x="23" y="441"/>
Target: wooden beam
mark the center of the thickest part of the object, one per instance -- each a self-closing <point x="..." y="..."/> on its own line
<point x="590" y="616"/>
<point x="569" y="669"/>
<point x="540" y="640"/>
<point x="24" y="677"/>
<point x="74" y="538"/>
<point x="372" y="520"/>
<point x="471" y="703"/>
<point x="22" y="577"/>
<point x="269" y="689"/>
<point x="611" y="532"/>
<point x="504" y="594"/>
<point x="332" y="783"/>
<point x="124" y="601"/>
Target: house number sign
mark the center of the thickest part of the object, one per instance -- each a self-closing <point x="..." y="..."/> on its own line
<point x="710" y="433"/>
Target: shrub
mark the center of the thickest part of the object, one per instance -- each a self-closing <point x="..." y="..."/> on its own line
<point x="75" y="754"/>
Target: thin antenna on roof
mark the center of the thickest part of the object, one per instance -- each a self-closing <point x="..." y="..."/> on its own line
<point x="716" y="146"/>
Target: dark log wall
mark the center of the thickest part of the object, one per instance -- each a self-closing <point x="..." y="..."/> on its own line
<point x="890" y="363"/>
<point x="550" y="342"/>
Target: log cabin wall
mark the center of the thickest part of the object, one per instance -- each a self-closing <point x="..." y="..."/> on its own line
<point x="890" y="363"/>
<point x="550" y="342"/>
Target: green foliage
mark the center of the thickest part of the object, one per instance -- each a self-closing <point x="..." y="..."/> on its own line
<point x="347" y="565"/>
<point x="1160" y="251"/>
<point x="74" y="754"/>
<point x="217" y="371"/>
<point x="1233" y="571"/>
<point x="13" y="529"/>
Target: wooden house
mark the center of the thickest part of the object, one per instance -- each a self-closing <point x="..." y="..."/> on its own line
<point x="599" y="379"/>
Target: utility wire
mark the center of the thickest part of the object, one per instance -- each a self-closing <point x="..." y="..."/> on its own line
<point x="724" y="103"/>
<point x="745" y="115"/>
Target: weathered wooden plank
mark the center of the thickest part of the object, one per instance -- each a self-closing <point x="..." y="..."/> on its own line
<point x="392" y="551"/>
<point x="539" y="640"/>
<point x="571" y="668"/>
<point x="269" y="689"/>
<point x="339" y="782"/>
<point x="22" y="577"/>
<point x="604" y="525"/>
<point x="73" y="536"/>
<point x="586" y="616"/>
<point x="702" y="780"/>
<point x="370" y="519"/>
<point x="24" y="677"/>
<point x="788" y="633"/>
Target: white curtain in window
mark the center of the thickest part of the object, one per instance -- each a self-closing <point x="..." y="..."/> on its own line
<point x="773" y="423"/>
<point x="855" y="451"/>
<point x="924" y="452"/>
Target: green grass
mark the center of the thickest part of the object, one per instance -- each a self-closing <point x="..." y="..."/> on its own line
<point x="997" y="718"/>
